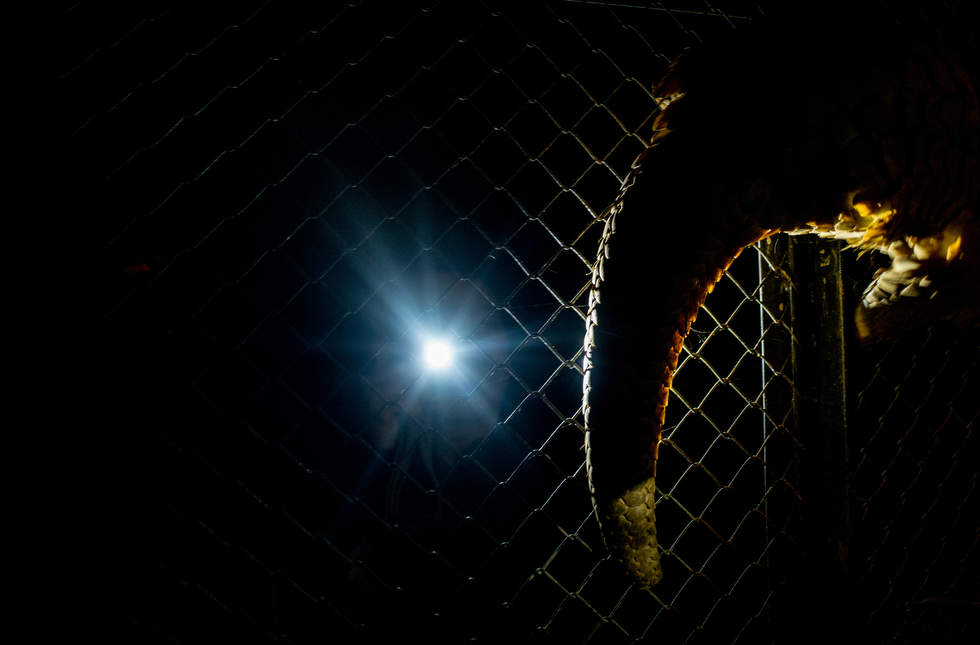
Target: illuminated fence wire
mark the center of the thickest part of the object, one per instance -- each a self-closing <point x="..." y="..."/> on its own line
<point x="292" y="199"/>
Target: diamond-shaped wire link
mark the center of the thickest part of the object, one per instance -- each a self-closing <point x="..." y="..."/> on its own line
<point x="289" y="197"/>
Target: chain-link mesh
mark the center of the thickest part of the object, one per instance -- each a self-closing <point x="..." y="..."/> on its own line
<point x="914" y="505"/>
<point x="289" y="197"/>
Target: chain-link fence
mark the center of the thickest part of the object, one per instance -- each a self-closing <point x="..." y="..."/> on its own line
<point x="914" y="508"/>
<point x="290" y="197"/>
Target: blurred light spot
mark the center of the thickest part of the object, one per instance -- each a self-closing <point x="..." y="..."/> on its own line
<point x="438" y="354"/>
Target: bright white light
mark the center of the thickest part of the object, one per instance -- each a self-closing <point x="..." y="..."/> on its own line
<point x="437" y="354"/>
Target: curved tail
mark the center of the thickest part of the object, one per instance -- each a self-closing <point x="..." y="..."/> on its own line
<point x="873" y="145"/>
<point x="636" y="326"/>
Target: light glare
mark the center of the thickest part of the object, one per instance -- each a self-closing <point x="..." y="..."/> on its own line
<point x="437" y="354"/>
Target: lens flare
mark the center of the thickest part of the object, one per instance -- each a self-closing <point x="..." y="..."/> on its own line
<point x="437" y="354"/>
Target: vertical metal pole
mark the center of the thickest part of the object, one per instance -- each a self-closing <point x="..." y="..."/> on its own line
<point x="779" y="353"/>
<point x="820" y="377"/>
<point x="763" y="373"/>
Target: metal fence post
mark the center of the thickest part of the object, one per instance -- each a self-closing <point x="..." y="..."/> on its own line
<point x="821" y="379"/>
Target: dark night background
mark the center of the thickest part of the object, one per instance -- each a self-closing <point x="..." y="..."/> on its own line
<point x="283" y="198"/>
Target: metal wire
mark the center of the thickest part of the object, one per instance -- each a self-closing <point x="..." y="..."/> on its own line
<point x="289" y="195"/>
